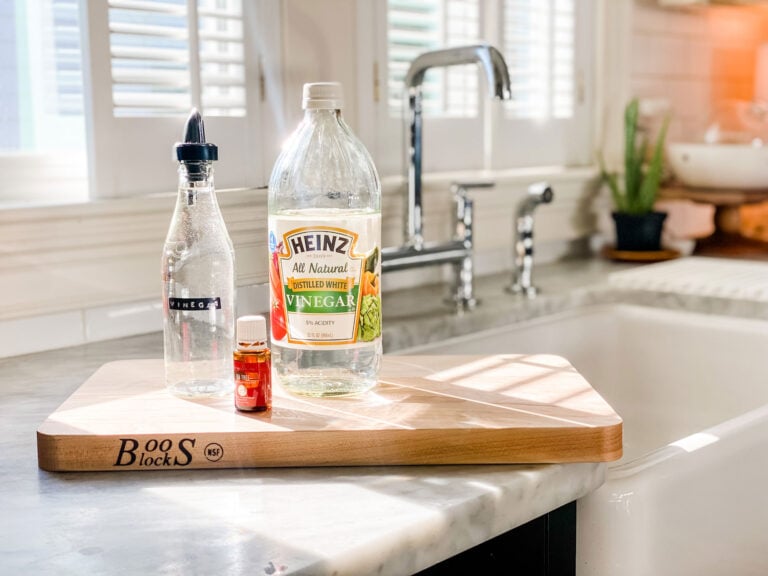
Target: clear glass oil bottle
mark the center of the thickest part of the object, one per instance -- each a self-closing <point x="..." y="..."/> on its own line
<point x="198" y="277"/>
<point x="324" y="240"/>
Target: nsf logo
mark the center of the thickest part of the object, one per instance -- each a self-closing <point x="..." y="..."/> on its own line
<point x="213" y="452"/>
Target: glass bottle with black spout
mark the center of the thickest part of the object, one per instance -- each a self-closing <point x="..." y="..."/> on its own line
<point x="198" y="272"/>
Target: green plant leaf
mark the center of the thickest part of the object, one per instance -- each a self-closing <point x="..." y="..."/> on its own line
<point x="652" y="178"/>
<point x="611" y="178"/>
<point x="631" y="161"/>
<point x="635" y="201"/>
<point x="641" y="183"/>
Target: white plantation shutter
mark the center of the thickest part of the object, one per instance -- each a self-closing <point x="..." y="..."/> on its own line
<point x="150" y="57"/>
<point x="151" y="62"/>
<point x="417" y="26"/>
<point x="538" y="45"/>
<point x="546" y="44"/>
<point x="405" y="29"/>
<point x="170" y="55"/>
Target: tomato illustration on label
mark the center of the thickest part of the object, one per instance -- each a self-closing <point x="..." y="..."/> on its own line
<point x="277" y="309"/>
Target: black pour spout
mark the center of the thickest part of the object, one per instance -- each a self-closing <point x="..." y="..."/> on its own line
<point x="194" y="148"/>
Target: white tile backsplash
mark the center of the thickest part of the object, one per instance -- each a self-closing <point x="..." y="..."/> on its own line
<point x="647" y="19"/>
<point x="51" y="331"/>
<point x="107" y="322"/>
<point x="648" y="55"/>
<point x="117" y="321"/>
<point x="697" y="58"/>
<point x="690" y="97"/>
<point x="253" y="299"/>
<point x="687" y="57"/>
<point x="676" y="56"/>
<point x="684" y="23"/>
<point x="660" y="55"/>
<point x="38" y="333"/>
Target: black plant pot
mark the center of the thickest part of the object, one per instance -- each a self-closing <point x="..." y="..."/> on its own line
<point x="639" y="232"/>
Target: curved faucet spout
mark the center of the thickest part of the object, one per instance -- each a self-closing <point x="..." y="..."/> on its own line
<point x="497" y="75"/>
<point x="522" y="272"/>
<point x="488" y="57"/>
<point x="538" y="193"/>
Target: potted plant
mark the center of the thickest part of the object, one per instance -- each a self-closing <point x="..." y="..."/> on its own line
<point x="638" y="226"/>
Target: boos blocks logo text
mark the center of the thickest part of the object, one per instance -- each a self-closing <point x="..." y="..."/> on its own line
<point x="159" y="453"/>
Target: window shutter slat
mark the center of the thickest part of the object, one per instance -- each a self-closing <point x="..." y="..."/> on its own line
<point x="177" y="102"/>
<point x="231" y="14"/>
<point x="234" y="79"/>
<point x="130" y="53"/>
<point x="147" y="30"/>
<point x="221" y="58"/>
<point x="168" y="77"/>
<point x="221" y="36"/>
<point x="150" y="57"/>
<point x="178" y="8"/>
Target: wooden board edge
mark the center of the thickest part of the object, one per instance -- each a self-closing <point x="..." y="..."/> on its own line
<point x="75" y="453"/>
<point x="46" y="453"/>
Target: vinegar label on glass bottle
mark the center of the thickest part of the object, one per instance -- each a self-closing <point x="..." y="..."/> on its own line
<point x="324" y="279"/>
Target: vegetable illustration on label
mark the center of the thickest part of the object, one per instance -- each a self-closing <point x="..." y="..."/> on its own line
<point x="370" y="308"/>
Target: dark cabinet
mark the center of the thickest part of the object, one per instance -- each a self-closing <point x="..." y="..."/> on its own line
<point x="545" y="546"/>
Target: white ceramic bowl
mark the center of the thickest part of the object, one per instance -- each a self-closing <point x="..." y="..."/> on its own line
<point x="733" y="166"/>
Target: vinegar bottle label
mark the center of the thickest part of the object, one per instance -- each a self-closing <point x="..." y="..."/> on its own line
<point x="325" y="281"/>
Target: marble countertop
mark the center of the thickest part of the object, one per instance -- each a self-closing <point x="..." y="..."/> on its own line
<point x="418" y="316"/>
<point x="368" y="520"/>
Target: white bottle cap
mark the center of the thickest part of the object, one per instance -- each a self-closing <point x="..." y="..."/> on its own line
<point x="322" y="96"/>
<point x="251" y="329"/>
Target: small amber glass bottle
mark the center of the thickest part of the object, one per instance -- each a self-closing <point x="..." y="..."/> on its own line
<point x="253" y="365"/>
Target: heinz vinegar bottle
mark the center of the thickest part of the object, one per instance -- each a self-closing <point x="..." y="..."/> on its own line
<point x="198" y="271"/>
<point x="324" y="242"/>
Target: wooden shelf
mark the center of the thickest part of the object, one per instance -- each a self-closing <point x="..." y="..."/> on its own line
<point x="714" y="196"/>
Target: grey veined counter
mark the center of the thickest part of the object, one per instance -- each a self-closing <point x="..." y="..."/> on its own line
<point x="382" y="520"/>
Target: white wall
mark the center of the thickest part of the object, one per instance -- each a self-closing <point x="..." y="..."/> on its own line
<point x="319" y="45"/>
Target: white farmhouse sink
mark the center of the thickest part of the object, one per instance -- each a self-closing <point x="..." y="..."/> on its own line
<point x="689" y="496"/>
<point x="732" y="166"/>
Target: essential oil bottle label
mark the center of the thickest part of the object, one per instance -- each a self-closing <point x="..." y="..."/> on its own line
<point x="253" y="387"/>
<point x="324" y="279"/>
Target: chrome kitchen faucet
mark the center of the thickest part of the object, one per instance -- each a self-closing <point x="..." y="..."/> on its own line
<point x="458" y="251"/>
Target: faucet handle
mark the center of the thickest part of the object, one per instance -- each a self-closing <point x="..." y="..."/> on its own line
<point x="460" y="189"/>
<point x="464" y="209"/>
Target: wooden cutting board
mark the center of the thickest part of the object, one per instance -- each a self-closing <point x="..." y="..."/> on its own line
<point x="495" y="409"/>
